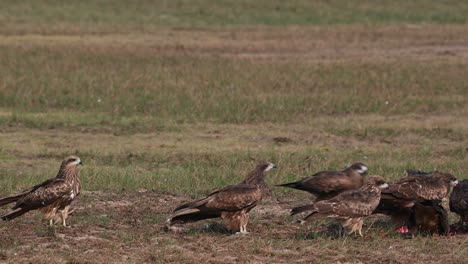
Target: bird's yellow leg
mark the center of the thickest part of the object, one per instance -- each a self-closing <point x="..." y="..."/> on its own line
<point x="359" y="229"/>
<point x="65" y="215"/>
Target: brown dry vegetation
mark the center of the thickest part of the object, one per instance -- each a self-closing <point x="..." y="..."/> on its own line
<point x="163" y="112"/>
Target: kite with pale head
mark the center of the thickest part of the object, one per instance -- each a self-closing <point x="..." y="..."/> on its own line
<point x="232" y="203"/>
<point x="350" y="207"/>
<point x="328" y="184"/>
<point x="52" y="197"/>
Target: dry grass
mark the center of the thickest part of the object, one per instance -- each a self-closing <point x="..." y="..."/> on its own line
<point x="126" y="228"/>
<point x="242" y="76"/>
<point x="138" y="178"/>
<point x="162" y="112"/>
<point x="195" y="158"/>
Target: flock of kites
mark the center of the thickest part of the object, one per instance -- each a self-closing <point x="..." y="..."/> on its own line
<point x="414" y="202"/>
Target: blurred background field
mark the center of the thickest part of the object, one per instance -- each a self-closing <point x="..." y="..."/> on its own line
<point x="178" y="98"/>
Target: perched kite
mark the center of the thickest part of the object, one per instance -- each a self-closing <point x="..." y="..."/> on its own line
<point x="459" y="204"/>
<point x="350" y="207"/>
<point x="327" y="184"/>
<point x="232" y="203"/>
<point x="52" y="197"/>
<point x="418" y="187"/>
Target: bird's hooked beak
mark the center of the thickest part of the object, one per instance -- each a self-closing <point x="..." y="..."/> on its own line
<point x="270" y="167"/>
<point x="80" y="163"/>
<point x="454" y="183"/>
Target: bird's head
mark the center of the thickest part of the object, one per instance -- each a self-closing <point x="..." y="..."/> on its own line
<point x="266" y="166"/>
<point x="256" y="177"/>
<point x="453" y="180"/>
<point x="377" y="181"/>
<point x="71" y="162"/>
<point x="448" y="178"/>
<point x="359" y="167"/>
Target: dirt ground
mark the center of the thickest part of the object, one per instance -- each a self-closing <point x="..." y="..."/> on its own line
<point x="125" y="227"/>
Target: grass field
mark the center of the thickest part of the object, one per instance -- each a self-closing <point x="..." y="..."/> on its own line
<point x="167" y="101"/>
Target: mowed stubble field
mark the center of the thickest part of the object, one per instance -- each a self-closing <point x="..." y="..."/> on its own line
<point x="167" y="101"/>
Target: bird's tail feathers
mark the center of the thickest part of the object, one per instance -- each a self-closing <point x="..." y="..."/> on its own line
<point x="10" y="199"/>
<point x="303" y="208"/>
<point x="191" y="215"/>
<point x="412" y="172"/>
<point x="312" y="216"/>
<point x="13" y="214"/>
<point x="190" y="212"/>
<point x="185" y="212"/>
<point x="289" y="185"/>
<point x="191" y="205"/>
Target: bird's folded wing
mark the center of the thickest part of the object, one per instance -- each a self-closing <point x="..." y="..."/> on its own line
<point x="417" y="187"/>
<point x="326" y="182"/>
<point x="45" y="194"/>
<point x="408" y="190"/>
<point x="233" y="198"/>
<point x="350" y="203"/>
<point x="29" y="190"/>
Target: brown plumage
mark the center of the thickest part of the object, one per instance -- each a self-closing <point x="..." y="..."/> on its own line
<point x="52" y="197"/>
<point x="429" y="217"/>
<point x="350" y="207"/>
<point x="418" y="187"/>
<point x="232" y="203"/>
<point x="459" y="204"/>
<point x="327" y="184"/>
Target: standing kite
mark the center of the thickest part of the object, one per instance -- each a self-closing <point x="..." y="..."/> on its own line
<point x="350" y="207"/>
<point x="327" y="184"/>
<point x="232" y="203"/>
<point x="52" y="197"/>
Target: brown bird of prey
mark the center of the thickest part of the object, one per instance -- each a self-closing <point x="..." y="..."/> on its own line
<point x="459" y="204"/>
<point x="400" y="198"/>
<point x="429" y="217"/>
<point x="350" y="207"/>
<point x="327" y="184"/>
<point x="52" y="197"/>
<point x="232" y="203"/>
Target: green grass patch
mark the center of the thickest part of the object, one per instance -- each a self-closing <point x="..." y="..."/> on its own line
<point x="139" y="93"/>
<point x="94" y="14"/>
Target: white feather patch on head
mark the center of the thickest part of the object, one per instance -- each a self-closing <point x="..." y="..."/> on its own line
<point x="383" y="186"/>
<point x="270" y="166"/>
<point x="454" y="183"/>
<point x="362" y="170"/>
<point x="76" y="162"/>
